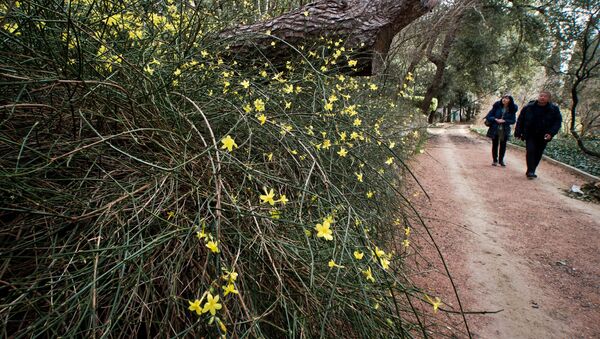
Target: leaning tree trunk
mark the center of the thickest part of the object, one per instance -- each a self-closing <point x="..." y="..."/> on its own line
<point x="439" y="61"/>
<point x="366" y="26"/>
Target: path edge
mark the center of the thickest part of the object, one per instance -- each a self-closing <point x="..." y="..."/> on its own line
<point x="582" y="173"/>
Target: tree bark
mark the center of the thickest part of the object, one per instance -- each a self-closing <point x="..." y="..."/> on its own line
<point x="366" y="26"/>
<point x="590" y="60"/>
<point x="440" y="65"/>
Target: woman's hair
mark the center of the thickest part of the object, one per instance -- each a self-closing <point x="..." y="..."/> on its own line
<point x="511" y="103"/>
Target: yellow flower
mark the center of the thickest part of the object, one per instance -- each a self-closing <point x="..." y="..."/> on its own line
<point x="352" y="63"/>
<point x="389" y="161"/>
<point x="263" y="73"/>
<point x="212" y="304"/>
<point x="379" y="252"/>
<point x="177" y="72"/>
<point x="368" y="275"/>
<point x="373" y="87"/>
<point x="288" y="105"/>
<point x="201" y="234"/>
<point x="308" y="233"/>
<point x="245" y="84"/>
<point x="195" y="306"/>
<point x="262" y="118"/>
<point x="385" y="263"/>
<point x="247" y="108"/>
<point x="358" y="255"/>
<point x="283" y="199"/>
<point x="288" y="89"/>
<point x="342" y="152"/>
<point x="275" y="214"/>
<point x="326" y="144"/>
<point x="328" y="106"/>
<point x="359" y="177"/>
<point x="407" y="231"/>
<point x="343" y="136"/>
<point x="357" y="122"/>
<point x="213" y="246"/>
<point x="406" y="243"/>
<point x="435" y="303"/>
<point x="332" y="264"/>
<point x="306" y="13"/>
<point x="259" y="105"/>
<point x="268" y="197"/>
<point x="230" y="276"/>
<point x="228" y="143"/>
<point x="230" y="288"/>
<point x="204" y="54"/>
<point x="392" y="144"/>
<point x="324" y="230"/>
<point x="170" y="215"/>
<point x="370" y="194"/>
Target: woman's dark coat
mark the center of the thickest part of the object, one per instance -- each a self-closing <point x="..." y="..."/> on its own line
<point x="496" y="113"/>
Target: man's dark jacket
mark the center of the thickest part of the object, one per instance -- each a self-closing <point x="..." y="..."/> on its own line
<point x="535" y="121"/>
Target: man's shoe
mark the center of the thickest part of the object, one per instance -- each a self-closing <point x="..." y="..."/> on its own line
<point x="502" y="164"/>
<point x="495" y="163"/>
<point x="531" y="175"/>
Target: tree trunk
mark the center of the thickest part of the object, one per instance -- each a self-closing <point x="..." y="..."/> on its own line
<point x="589" y="61"/>
<point x="366" y="26"/>
<point x="440" y="64"/>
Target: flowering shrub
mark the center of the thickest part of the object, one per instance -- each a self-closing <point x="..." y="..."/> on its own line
<point x="154" y="184"/>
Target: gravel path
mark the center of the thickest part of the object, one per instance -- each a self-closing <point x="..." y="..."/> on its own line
<point x="512" y="244"/>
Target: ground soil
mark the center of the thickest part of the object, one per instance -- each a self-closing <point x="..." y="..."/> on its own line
<point x="513" y="245"/>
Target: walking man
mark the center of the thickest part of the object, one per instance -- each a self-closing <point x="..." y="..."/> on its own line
<point x="537" y="124"/>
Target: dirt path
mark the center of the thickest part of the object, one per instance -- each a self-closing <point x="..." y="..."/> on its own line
<point x="512" y="244"/>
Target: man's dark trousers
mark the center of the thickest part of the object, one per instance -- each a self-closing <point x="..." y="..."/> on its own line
<point x="535" y="149"/>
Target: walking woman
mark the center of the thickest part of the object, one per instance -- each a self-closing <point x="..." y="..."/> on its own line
<point x="499" y="119"/>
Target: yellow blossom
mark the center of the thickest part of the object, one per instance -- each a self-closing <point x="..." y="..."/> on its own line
<point x="228" y="143"/>
<point x="259" y="105"/>
<point x="230" y="288"/>
<point x="201" y="234"/>
<point x="326" y="144"/>
<point x="358" y="255"/>
<point x="370" y="194"/>
<point x="195" y="306"/>
<point x="342" y="152"/>
<point x="308" y="233"/>
<point x="389" y="161"/>
<point x="268" y="197"/>
<point x="324" y="230"/>
<point x="357" y="122"/>
<point x="213" y="246"/>
<point x="332" y="264"/>
<point x="306" y="13"/>
<point x="407" y="231"/>
<point x="359" y="177"/>
<point x="435" y="303"/>
<point x="328" y="106"/>
<point x="212" y="304"/>
<point x="283" y="199"/>
<point x="247" y="108"/>
<point x="352" y="63"/>
<point x="245" y="83"/>
<point x="262" y="118"/>
<point x="385" y="263"/>
<point x="368" y="275"/>
<point x="406" y="243"/>
<point x="373" y="87"/>
<point x="288" y="105"/>
<point x="288" y="89"/>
